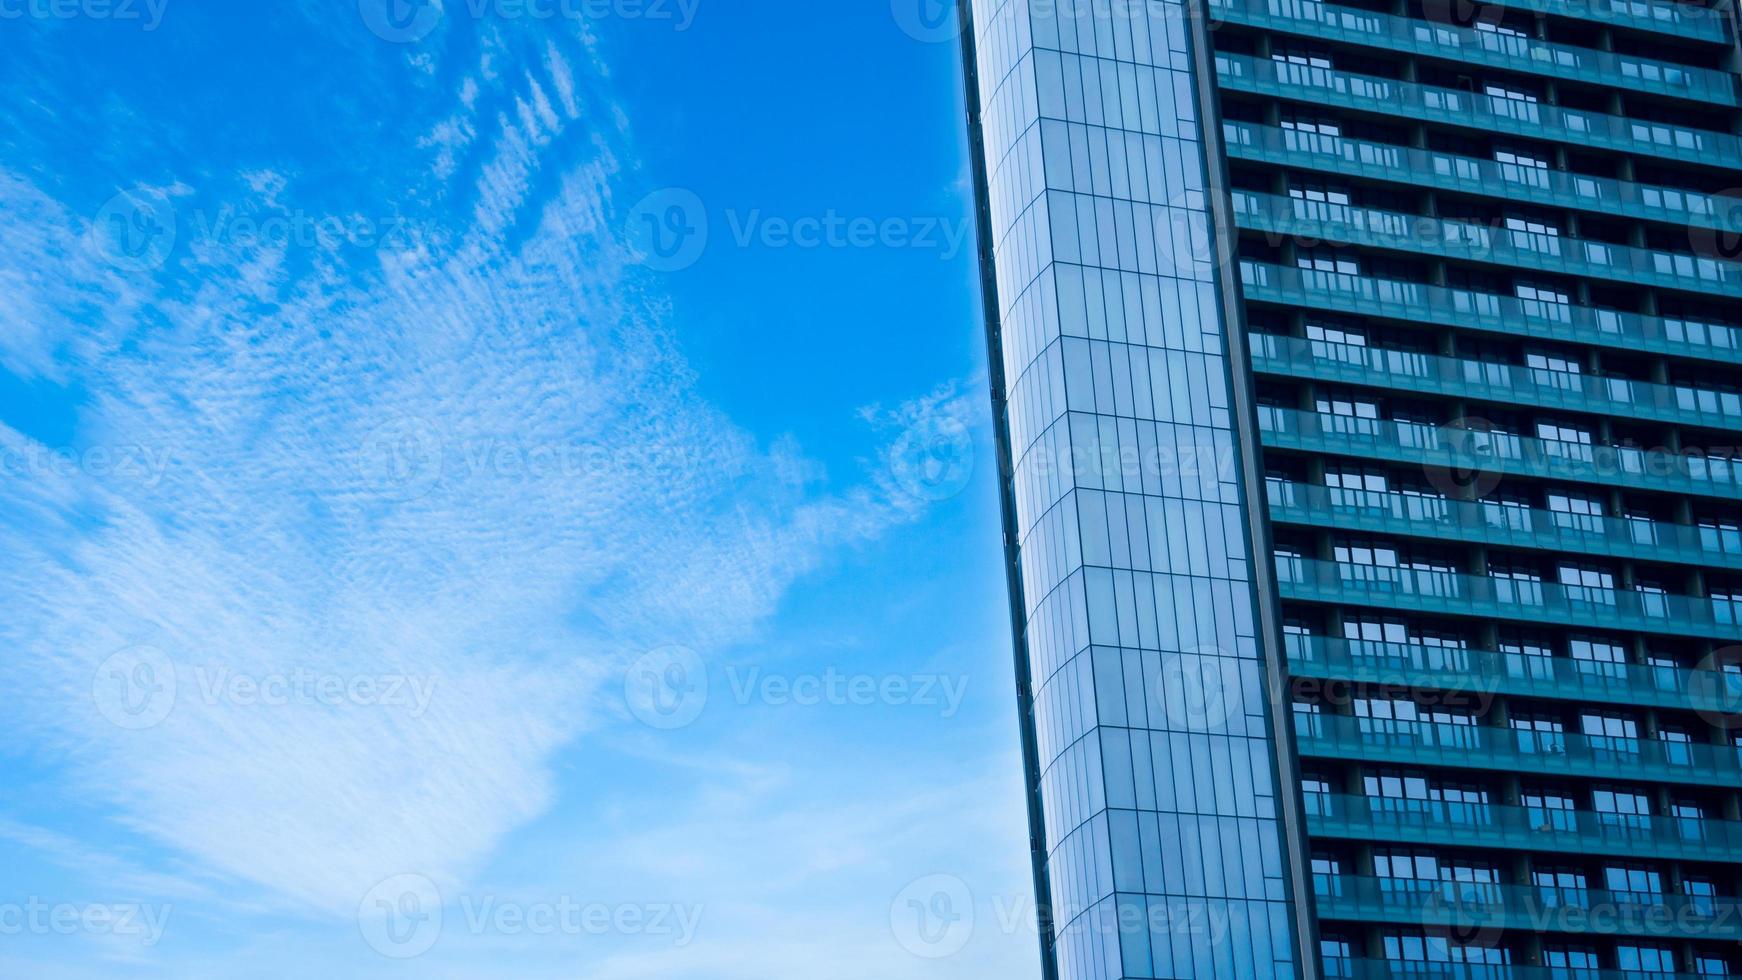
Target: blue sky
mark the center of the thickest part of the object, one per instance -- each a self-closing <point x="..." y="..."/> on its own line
<point x="497" y="490"/>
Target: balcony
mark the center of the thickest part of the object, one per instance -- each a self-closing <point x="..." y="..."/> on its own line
<point x="1700" y="24"/>
<point x="1503" y="525"/>
<point x="1469" y="451"/>
<point x="1477" y="906"/>
<point x="1421" y="303"/>
<point x="1436" y="822"/>
<point x="1450" y="593"/>
<point x="1470" y="175"/>
<point x="1331" y="22"/>
<point x="1507" y="384"/>
<point x="1418" y="743"/>
<point x="1409" y="100"/>
<point x="1486" y="672"/>
<point x="1337" y="968"/>
<point x="1468" y="241"/>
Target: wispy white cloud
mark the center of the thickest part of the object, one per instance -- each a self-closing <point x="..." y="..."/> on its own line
<point x="474" y="460"/>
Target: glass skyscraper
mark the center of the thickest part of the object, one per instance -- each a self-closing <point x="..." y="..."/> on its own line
<point x="1369" y="378"/>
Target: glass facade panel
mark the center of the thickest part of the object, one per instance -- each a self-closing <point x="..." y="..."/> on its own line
<point x="1372" y="381"/>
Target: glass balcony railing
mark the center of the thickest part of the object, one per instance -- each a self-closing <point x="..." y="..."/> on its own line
<point x="1508" y="384"/>
<point x="1488" y="178"/>
<point x="1437" y="822"/>
<point x="1493" y="244"/>
<point x="1419" y="743"/>
<point x="1420" y="303"/>
<point x="1342" y="968"/>
<point x="1490" y="113"/>
<point x="1714" y="692"/>
<point x="1477" y="906"/>
<point x="1466" y="451"/>
<point x="1502" y="524"/>
<point x="1451" y="593"/>
<point x="1313" y="18"/>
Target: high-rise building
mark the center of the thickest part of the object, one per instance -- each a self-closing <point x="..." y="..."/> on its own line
<point x="1368" y="377"/>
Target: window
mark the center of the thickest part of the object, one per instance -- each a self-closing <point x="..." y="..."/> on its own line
<point x="1348" y="407"/>
<point x="1632" y="879"/>
<point x="1502" y="92"/>
<point x="1514" y="158"/>
<point x="1598" y="658"/>
<point x="1307" y="59"/>
<point x="1620" y="802"/>
<point x="1576" y="511"/>
<point x="1320" y="260"/>
<point x="1586" y="577"/>
<point x="1608" y="725"/>
<point x="1318" y="193"/>
<point x="1318" y="126"/>
<point x="1557" y="887"/>
<point x="1535" y="293"/>
<point x="1570" y="958"/>
<point x="1384" y="556"/>
<point x="1500" y="29"/>
<point x="1337" y="955"/>
<point x="1417" y="948"/>
<point x="1330" y="334"/>
<point x="1539" y="733"/>
<point x="1702" y="894"/>
<point x="1557" y="432"/>
<point x="1370" y="481"/>
<point x="1547" y="808"/>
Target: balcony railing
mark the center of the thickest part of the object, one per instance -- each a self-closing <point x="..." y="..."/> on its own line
<point x="1437" y="822"/>
<point x="1487" y="178"/>
<point x="1340" y="968"/>
<point x="1420" y="743"/>
<point x="1312" y="18"/>
<point x="1715" y="692"/>
<point x="1508" y="384"/>
<point x="1410" y="100"/>
<point x="1450" y="593"/>
<point x="1316" y="221"/>
<point x="1501" y="524"/>
<point x="1420" y="303"/>
<point x="1499" y="454"/>
<point x="1476" y="906"/>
